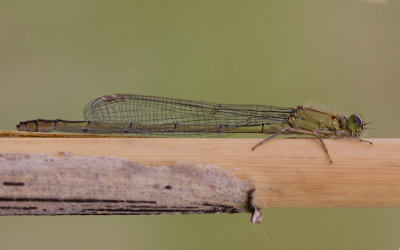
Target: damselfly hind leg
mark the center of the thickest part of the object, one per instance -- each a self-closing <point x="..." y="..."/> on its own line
<point x="267" y="139"/>
<point x="299" y="131"/>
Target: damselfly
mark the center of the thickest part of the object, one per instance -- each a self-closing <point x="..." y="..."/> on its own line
<point x="160" y="116"/>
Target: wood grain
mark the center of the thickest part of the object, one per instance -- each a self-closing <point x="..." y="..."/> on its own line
<point x="286" y="172"/>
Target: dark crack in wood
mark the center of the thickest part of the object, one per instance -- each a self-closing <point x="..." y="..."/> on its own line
<point x="11" y="183"/>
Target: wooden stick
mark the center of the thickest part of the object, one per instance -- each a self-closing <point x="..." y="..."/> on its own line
<point x="38" y="184"/>
<point x="286" y="172"/>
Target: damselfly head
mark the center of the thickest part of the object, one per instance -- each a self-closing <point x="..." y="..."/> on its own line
<point x="355" y="124"/>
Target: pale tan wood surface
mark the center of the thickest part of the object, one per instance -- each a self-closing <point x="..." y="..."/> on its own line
<point x="286" y="172"/>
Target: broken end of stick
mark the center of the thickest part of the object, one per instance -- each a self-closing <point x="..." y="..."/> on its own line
<point x="256" y="214"/>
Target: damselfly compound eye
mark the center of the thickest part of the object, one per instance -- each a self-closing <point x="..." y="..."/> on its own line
<point x="355" y="124"/>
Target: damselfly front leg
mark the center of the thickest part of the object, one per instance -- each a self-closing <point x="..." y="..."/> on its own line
<point x="339" y="135"/>
<point x="357" y="138"/>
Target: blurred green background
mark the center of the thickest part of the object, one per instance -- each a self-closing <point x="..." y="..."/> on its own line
<point x="341" y="55"/>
